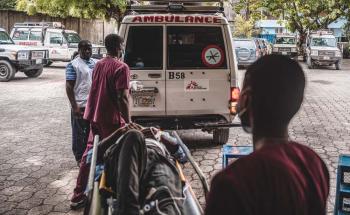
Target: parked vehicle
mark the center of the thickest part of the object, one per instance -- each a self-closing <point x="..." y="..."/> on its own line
<point x="286" y="44"/>
<point x="62" y="43"/>
<point x="322" y="50"/>
<point x="246" y="50"/>
<point x="182" y="67"/>
<point x="14" y="58"/>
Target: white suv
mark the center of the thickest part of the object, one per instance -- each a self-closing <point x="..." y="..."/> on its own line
<point x="322" y="49"/>
<point x="62" y="43"/>
<point x="14" y="58"/>
<point x="183" y="68"/>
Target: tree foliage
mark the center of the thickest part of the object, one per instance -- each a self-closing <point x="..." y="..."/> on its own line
<point x="76" y="8"/>
<point x="304" y="15"/>
<point x="7" y="4"/>
<point x="242" y="27"/>
<point x="252" y="9"/>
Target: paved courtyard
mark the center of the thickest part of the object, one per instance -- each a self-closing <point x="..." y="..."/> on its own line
<point x="38" y="171"/>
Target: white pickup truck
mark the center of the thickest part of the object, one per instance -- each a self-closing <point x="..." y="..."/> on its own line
<point x="14" y="58"/>
<point x="62" y="43"/>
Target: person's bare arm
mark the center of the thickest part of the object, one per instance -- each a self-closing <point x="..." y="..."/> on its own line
<point x="70" y="94"/>
<point x="123" y="104"/>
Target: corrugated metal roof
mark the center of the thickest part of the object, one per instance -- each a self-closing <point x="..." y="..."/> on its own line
<point x="339" y="23"/>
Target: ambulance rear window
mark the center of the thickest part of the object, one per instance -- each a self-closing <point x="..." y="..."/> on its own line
<point x="144" y="47"/>
<point x="192" y="47"/>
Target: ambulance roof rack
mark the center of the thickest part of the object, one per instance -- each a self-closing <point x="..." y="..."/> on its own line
<point x="39" y="25"/>
<point x="175" y="6"/>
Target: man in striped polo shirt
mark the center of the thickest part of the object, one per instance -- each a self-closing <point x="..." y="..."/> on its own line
<point x="78" y="84"/>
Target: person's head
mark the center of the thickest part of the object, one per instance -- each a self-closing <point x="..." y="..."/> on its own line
<point x="272" y="94"/>
<point x="85" y="49"/>
<point x="114" y="45"/>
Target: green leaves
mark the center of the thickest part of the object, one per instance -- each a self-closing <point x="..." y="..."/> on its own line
<point x="251" y="8"/>
<point x="307" y="14"/>
<point x="242" y="27"/>
<point x="75" y="8"/>
<point x="7" y="4"/>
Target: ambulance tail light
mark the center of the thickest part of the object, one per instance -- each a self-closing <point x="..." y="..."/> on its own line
<point x="234" y="99"/>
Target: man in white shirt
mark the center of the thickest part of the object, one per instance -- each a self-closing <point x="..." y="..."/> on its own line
<point x="78" y="84"/>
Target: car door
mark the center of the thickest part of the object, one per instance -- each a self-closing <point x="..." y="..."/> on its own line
<point x="20" y="36"/>
<point x="58" y="48"/>
<point x="197" y="72"/>
<point x="144" y="54"/>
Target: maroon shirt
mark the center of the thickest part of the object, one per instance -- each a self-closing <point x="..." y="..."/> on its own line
<point x="288" y="179"/>
<point x="109" y="76"/>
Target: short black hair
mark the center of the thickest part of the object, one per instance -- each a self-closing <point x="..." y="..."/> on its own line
<point x="113" y="43"/>
<point x="83" y="43"/>
<point x="277" y="83"/>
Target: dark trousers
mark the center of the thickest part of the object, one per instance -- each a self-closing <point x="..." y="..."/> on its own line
<point x="84" y="170"/>
<point x="134" y="168"/>
<point x="80" y="134"/>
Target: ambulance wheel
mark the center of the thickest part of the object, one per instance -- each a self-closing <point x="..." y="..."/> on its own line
<point x="7" y="71"/>
<point x="309" y="63"/>
<point x="33" y="73"/>
<point x="220" y="136"/>
<point x="48" y="64"/>
<point x="337" y="65"/>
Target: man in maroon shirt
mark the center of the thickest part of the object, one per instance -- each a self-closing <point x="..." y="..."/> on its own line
<point x="280" y="176"/>
<point x="107" y="108"/>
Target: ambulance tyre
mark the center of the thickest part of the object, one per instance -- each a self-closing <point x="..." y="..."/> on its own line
<point x="33" y="73"/>
<point x="48" y="64"/>
<point x="338" y="65"/>
<point x="7" y="71"/>
<point x="309" y="63"/>
<point x="220" y="136"/>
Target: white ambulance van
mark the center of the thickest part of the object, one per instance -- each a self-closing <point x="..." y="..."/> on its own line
<point x="183" y="69"/>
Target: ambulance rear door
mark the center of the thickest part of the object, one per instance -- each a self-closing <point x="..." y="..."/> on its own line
<point x="144" y="48"/>
<point x="198" y="74"/>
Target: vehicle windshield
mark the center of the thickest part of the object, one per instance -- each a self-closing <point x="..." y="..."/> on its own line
<point x="35" y="35"/>
<point x="72" y="37"/>
<point x="5" y="38"/>
<point x="20" y="34"/>
<point x="285" y="40"/>
<point x="249" y="44"/>
<point x="327" y="42"/>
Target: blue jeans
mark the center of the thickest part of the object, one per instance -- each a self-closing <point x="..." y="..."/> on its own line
<point x="80" y="134"/>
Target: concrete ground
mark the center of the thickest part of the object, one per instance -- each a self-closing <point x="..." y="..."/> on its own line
<point x="37" y="167"/>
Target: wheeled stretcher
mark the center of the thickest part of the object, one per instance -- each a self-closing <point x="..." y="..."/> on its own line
<point x="99" y="205"/>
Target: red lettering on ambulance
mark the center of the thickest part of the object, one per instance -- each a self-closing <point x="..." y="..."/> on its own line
<point x="148" y="18"/>
<point x="178" y="19"/>
<point x="189" y="19"/>
<point x="198" y="19"/>
<point x="169" y="19"/>
<point x="208" y="19"/>
<point x="216" y="20"/>
<point x="137" y="19"/>
<point x="159" y="19"/>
